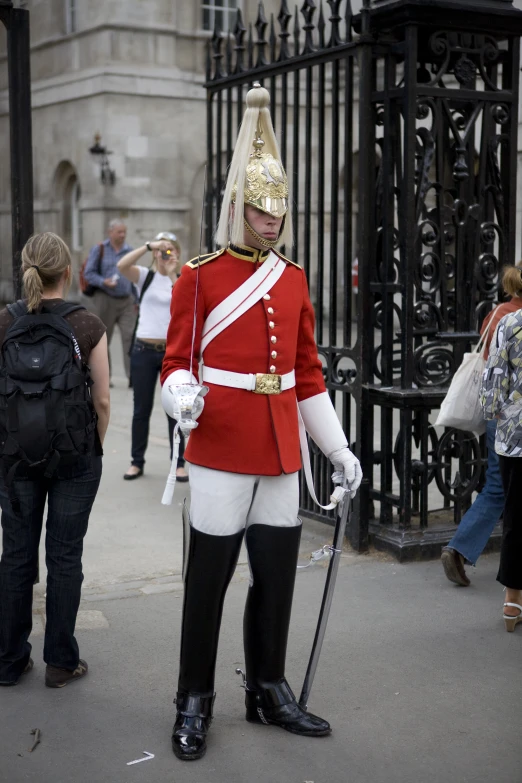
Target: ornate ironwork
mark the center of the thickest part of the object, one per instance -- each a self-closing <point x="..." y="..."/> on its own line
<point x="239" y="48"/>
<point x="308" y="10"/>
<point x="261" y="25"/>
<point x="321" y="26"/>
<point x="335" y="21"/>
<point x="284" y="18"/>
<point x="421" y="195"/>
<point x="217" y="44"/>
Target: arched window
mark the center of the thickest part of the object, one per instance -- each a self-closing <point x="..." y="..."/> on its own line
<point x="67" y="195"/>
<point x="76" y="215"/>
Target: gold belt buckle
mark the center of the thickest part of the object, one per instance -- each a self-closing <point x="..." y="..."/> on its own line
<point x="267" y="383"/>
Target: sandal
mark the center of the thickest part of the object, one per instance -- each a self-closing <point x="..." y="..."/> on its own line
<point x="512" y="620"/>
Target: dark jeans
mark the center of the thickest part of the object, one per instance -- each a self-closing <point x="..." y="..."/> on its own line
<point x="145" y="370"/>
<point x="70" y="495"/>
<point x="510" y="569"/>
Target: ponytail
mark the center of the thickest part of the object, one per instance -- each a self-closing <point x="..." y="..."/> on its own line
<point x="45" y="257"/>
<point x="33" y="288"/>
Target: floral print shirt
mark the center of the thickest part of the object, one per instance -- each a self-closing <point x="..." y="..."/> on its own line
<point x="502" y="385"/>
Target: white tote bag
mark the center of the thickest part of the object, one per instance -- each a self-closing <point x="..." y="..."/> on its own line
<point x="461" y="406"/>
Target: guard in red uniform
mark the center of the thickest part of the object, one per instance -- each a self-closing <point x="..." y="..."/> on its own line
<point x="253" y="343"/>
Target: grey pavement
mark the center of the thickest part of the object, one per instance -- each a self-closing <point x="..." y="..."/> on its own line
<point x="418" y="677"/>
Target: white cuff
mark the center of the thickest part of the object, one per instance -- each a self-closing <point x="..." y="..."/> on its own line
<point x="322" y="424"/>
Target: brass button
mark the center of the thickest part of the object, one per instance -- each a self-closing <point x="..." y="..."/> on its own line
<point x="274" y="354"/>
<point x="272" y="368"/>
<point x="273" y="338"/>
<point x="270" y="310"/>
<point x="267" y="297"/>
<point x="271" y="324"/>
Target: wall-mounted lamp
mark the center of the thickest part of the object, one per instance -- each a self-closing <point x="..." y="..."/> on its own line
<point x="107" y="175"/>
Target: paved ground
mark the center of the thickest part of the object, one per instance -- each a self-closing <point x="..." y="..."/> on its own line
<point x="418" y="677"/>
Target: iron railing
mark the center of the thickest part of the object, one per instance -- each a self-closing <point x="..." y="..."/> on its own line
<point x="398" y="133"/>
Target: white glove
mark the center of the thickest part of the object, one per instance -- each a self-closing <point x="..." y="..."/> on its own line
<point x="343" y="460"/>
<point x="322" y="424"/>
<point x="168" y="400"/>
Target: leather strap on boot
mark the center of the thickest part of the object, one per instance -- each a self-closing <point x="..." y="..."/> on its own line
<point x="275" y="704"/>
<point x="193" y="719"/>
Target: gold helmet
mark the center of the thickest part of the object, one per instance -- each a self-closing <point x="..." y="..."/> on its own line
<point x="256" y="175"/>
<point x="266" y="184"/>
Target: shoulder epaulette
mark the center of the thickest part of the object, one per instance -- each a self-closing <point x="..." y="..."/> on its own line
<point x="288" y="260"/>
<point x="204" y="259"/>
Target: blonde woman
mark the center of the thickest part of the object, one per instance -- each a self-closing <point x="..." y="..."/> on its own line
<point x="154" y="284"/>
<point x="70" y="489"/>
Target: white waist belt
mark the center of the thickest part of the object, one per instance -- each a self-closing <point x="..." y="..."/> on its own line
<point x="268" y="383"/>
<point x="261" y="383"/>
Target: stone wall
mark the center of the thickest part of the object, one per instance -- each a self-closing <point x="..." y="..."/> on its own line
<point x="132" y="71"/>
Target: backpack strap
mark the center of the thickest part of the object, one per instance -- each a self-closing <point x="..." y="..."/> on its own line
<point x="17" y="309"/>
<point x="62" y="310"/>
<point x="146" y="283"/>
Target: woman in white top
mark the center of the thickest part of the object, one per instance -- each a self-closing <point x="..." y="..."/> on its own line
<point x="154" y="286"/>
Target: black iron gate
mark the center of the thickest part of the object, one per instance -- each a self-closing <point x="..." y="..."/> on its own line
<point x="398" y="131"/>
<point x="16" y="22"/>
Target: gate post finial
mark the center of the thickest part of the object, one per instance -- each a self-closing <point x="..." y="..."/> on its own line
<point x="284" y="18"/>
<point x="335" y="21"/>
<point x="239" y="34"/>
<point x="261" y="25"/>
<point x="308" y="10"/>
<point x="217" y="43"/>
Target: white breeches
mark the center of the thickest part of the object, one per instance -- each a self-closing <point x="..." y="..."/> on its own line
<point x="224" y="503"/>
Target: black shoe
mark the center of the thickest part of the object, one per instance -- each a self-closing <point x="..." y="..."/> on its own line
<point x="59" y="678"/>
<point x="29" y="665"/>
<point x="132" y="476"/>
<point x="184" y="477"/>
<point x="194" y="716"/>
<point x="276" y="705"/>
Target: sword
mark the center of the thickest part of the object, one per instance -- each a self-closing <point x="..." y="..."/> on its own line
<point x="344" y="510"/>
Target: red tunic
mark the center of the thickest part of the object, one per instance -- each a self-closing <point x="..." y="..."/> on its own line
<point x="240" y="431"/>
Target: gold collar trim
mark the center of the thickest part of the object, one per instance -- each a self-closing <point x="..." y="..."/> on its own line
<point x="248" y="253"/>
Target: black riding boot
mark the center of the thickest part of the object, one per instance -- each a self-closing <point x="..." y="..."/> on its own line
<point x="210" y="566"/>
<point x="273" y="553"/>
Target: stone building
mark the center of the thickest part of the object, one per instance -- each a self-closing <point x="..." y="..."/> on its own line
<point x="131" y="72"/>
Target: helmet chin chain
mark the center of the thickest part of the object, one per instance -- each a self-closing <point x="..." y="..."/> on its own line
<point x="259" y="238"/>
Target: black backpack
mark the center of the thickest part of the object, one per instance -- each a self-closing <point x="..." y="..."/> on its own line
<point x="47" y="416"/>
